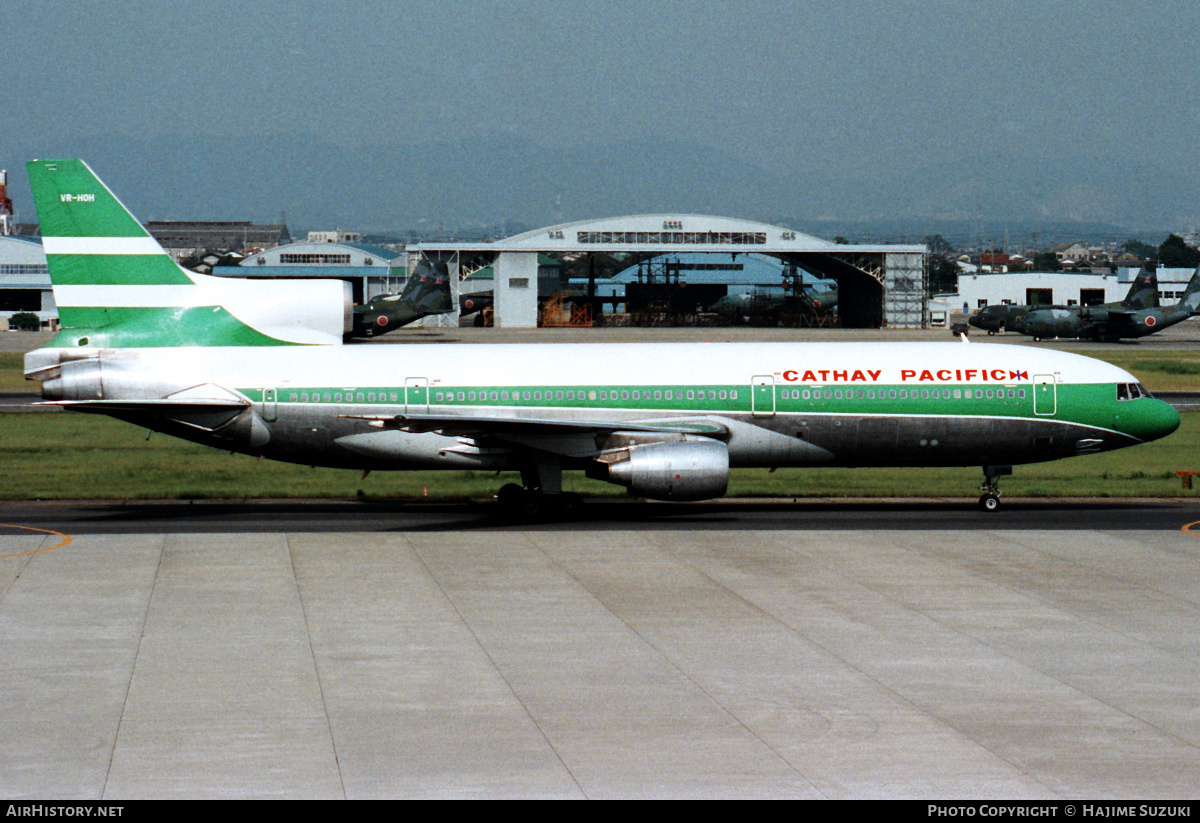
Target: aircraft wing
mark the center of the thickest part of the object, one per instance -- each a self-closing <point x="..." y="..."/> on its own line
<point x="479" y="434"/>
<point x="455" y="425"/>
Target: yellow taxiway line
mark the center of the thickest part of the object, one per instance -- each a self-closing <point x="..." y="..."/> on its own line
<point x="65" y="540"/>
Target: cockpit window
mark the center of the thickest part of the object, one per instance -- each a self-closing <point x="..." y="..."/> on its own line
<point x="1131" y="391"/>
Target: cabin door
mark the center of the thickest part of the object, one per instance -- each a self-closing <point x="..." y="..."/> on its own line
<point x="762" y="395"/>
<point x="1045" y="394"/>
<point x="416" y="395"/>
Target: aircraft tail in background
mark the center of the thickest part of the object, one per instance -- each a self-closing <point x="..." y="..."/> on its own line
<point x="1143" y="292"/>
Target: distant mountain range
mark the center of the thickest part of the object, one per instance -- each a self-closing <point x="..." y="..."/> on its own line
<point x="465" y="183"/>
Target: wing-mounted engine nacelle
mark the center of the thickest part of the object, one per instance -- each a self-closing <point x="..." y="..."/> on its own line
<point x="693" y="468"/>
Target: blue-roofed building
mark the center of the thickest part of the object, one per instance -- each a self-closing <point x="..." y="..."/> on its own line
<point x="370" y="270"/>
<point x="25" y="280"/>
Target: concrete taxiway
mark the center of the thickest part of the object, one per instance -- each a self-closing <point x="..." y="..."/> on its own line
<point x="601" y="663"/>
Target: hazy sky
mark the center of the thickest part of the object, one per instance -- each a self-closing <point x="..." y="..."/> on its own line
<point x="795" y="87"/>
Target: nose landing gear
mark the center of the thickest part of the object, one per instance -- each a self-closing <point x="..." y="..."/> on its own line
<point x="990" y="500"/>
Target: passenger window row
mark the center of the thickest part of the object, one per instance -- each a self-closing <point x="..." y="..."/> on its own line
<point x="570" y="395"/>
<point x="903" y="394"/>
<point x="1125" y="391"/>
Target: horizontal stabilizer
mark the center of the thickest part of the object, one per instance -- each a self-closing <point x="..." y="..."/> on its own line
<point x="161" y="406"/>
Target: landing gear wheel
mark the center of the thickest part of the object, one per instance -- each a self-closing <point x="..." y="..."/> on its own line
<point x="570" y="504"/>
<point x="510" y="495"/>
<point x="519" y="503"/>
<point x="990" y="501"/>
<point x="533" y="504"/>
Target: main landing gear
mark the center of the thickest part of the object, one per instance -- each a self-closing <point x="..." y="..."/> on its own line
<point x="541" y="497"/>
<point x="990" y="501"/>
<point x="534" y="504"/>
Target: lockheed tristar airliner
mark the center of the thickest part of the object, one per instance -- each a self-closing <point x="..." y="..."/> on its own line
<point x="258" y="367"/>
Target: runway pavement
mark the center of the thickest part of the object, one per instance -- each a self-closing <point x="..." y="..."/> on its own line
<point x="368" y="516"/>
<point x="975" y="662"/>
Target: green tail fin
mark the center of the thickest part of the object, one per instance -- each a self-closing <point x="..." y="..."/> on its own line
<point x="116" y="287"/>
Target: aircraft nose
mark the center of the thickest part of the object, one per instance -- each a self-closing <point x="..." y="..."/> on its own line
<point x="1151" y="419"/>
<point x="1168" y="419"/>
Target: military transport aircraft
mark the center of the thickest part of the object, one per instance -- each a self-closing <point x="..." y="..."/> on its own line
<point x="426" y="292"/>
<point x="771" y="307"/>
<point x="1143" y="293"/>
<point x="999" y="318"/>
<point x="1113" y="322"/>
<point x="258" y="367"/>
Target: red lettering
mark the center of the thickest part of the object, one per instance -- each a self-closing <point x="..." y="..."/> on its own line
<point x="858" y="375"/>
<point x="926" y="374"/>
<point x="943" y="374"/>
<point x="971" y="374"/>
<point x="839" y="375"/>
<point x="824" y="375"/>
<point x="789" y="376"/>
<point x="809" y="377"/>
<point x="997" y="374"/>
<point x="874" y="375"/>
<point x="905" y="374"/>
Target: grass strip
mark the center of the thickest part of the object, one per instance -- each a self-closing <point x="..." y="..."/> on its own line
<point x="64" y="456"/>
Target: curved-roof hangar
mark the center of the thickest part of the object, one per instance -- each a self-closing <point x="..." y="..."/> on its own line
<point x="878" y="284"/>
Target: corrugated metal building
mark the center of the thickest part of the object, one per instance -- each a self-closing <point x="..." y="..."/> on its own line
<point x="24" y="279"/>
<point x="184" y="238"/>
<point x="370" y="270"/>
<point x="1062" y="288"/>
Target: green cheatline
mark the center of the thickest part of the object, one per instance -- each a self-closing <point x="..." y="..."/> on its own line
<point x="881" y="398"/>
<point x="1084" y="403"/>
<point x="1076" y="400"/>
